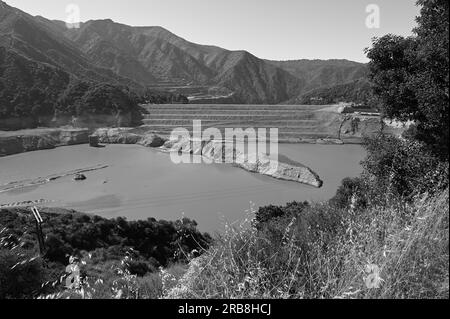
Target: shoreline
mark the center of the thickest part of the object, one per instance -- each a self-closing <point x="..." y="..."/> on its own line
<point x="12" y="143"/>
<point x="22" y="141"/>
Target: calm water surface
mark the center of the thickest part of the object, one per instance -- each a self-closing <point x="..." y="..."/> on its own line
<point x="140" y="182"/>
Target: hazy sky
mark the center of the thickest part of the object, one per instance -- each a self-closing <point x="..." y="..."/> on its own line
<point x="270" y="29"/>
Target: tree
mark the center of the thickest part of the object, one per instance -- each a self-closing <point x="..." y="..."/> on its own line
<point x="401" y="168"/>
<point x="410" y="75"/>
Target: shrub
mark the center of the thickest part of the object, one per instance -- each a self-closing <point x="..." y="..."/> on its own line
<point x="271" y="212"/>
<point x="351" y="193"/>
<point x="401" y="168"/>
<point x="375" y="253"/>
<point x="21" y="270"/>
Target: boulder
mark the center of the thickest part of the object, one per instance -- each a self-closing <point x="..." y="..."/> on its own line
<point x="139" y="135"/>
<point x="73" y="136"/>
<point x="116" y="136"/>
<point x="152" y="140"/>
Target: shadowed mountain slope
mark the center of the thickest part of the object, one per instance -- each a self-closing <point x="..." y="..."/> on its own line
<point x="105" y="51"/>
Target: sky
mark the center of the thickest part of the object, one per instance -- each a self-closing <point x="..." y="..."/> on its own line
<point x="269" y="29"/>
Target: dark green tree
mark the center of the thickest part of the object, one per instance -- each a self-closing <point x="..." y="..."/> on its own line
<point x="410" y="75"/>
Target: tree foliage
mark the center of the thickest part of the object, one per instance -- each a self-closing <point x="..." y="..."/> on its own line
<point x="411" y="75"/>
<point x="72" y="233"/>
<point x="37" y="91"/>
<point x="358" y="92"/>
<point x="402" y="168"/>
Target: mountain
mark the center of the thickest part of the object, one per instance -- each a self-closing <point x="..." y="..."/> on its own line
<point x="358" y="91"/>
<point x="37" y="94"/>
<point x="153" y="58"/>
<point x="323" y="73"/>
<point x="328" y="81"/>
<point x="153" y="55"/>
<point x="45" y="79"/>
<point x="34" y="40"/>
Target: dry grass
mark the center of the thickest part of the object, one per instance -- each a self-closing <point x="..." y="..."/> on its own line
<point x="377" y="253"/>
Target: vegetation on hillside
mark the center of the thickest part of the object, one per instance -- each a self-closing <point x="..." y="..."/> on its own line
<point x="158" y="97"/>
<point x="319" y="251"/>
<point x="46" y="80"/>
<point x="410" y="76"/>
<point x="358" y="92"/>
<point x="50" y="96"/>
<point x="150" y="244"/>
<point x="30" y="89"/>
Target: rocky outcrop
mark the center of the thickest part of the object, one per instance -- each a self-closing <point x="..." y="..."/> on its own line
<point x="73" y="137"/>
<point x="152" y="140"/>
<point x="276" y="169"/>
<point x="19" y="144"/>
<point x="212" y="151"/>
<point x="328" y="141"/>
<point x="39" y="139"/>
<point x="220" y="152"/>
<point x="14" y="142"/>
<point x="140" y="135"/>
<point x="117" y="136"/>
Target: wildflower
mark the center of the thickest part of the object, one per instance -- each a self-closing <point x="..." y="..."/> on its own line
<point x="373" y="279"/>
<point x="119" y="294"/>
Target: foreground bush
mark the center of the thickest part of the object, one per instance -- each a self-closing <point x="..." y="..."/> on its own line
<point x="373" y="253"/>
<point x="402" y="168"/>
<point x="100" y="246"/>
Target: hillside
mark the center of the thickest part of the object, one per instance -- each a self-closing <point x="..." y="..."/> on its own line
<point x="358" y="91"/>
<point x="37" y="94"/>
<point x="29" y="37"/>
<point x="103" y="51"/>
<point x="329" y="81"/>
<point x="153" y="55"/>
<point x="150" y="243"/>
<point x="323" y="73"/>
<point x="46" y="80"/>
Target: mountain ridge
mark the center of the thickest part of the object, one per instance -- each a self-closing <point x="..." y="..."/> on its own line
<point x="152" y="56"/>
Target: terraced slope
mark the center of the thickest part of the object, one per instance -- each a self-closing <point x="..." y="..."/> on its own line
<point x="296" y="123"/>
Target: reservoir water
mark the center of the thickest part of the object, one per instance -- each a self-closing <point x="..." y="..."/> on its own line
<point x="140" y="182"/>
